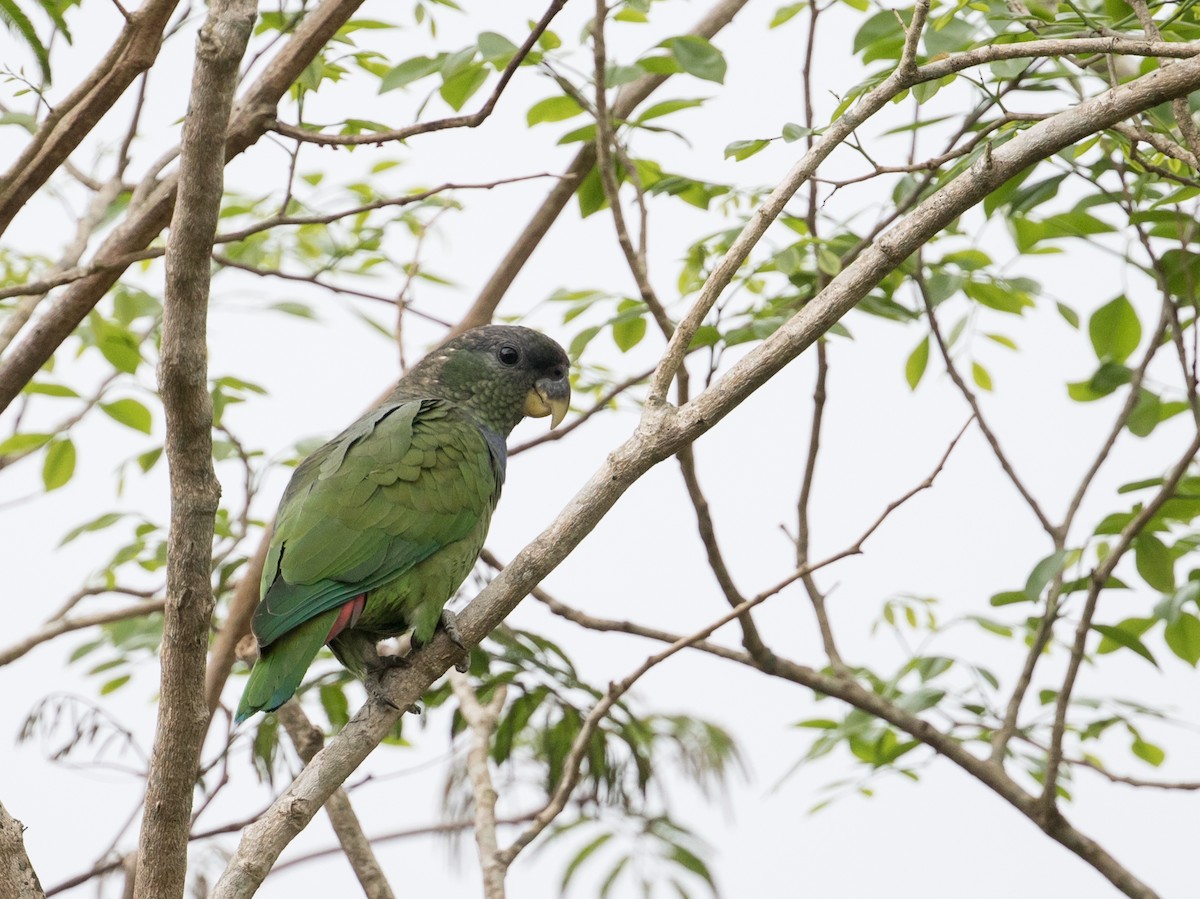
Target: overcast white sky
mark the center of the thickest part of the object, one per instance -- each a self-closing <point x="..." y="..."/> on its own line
<point x="967" y="538"/>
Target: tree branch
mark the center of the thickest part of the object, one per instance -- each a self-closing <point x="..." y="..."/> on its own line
<point x="482" y="721"/>
<point x="183" y="385"/>
<point x="903" y="77"/>
<point x="474" y="120"/>
<point x="628" y="98"/>
<point x="76" y="115"/>
<point x="308" y="741"/>
<point x="18" y="880"/>
<point x="973" y="401"/>
<point x="661" y="432"/>
<point x="154" y="200"/>
<point x="1098" y="579"/>
<point x="571" y="764"/>
<point x="60" y="626"/>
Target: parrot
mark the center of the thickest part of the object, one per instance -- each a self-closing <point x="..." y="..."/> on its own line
<point x="378" y="527"/>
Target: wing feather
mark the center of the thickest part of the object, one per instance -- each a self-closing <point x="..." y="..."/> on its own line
<point x="392" y="489"/>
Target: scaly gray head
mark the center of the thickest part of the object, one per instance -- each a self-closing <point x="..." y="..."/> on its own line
<point x="500" y="373"/>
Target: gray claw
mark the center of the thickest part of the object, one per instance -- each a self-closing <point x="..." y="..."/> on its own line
<point x="374" y="684"/>
<point x="449" y="622"/>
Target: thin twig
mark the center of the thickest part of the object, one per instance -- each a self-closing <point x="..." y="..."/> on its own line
<point x="482" y="720"/>
<point x="571" y="764"/>
<point x="61" y="626"/>
<point x="1097" y="581"/>
<point x="973" y="401"/>
<point x="473" y="120"/>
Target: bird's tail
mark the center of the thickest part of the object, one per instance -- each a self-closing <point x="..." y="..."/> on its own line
<point x="281" y="667"/>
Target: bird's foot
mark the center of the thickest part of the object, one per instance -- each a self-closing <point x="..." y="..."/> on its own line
<point x="374" y="681"/>
<point x="449" y="623"/>
<point x="387" y="663"/>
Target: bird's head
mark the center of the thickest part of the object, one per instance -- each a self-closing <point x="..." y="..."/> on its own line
<point x="501" y="373"/>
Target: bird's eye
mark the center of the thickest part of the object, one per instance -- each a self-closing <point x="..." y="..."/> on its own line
<point x="508" y="355"/>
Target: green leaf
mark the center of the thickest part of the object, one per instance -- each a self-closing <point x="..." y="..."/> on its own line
<point x="120" y="348"/>
<point x="337" y="707"/>
<point x="918" y="359"/>
<point x="880" y="37"/>
<point x="1115" y="330"/>
<point x="1009" y="597"/>
<point x="1145" y="415"/>
<point x="130" y="304"/>
<point x="659" y="65"/>
<point x="1183" y="637"/>
<point x="300" y="310"/>
<point x="829" y="262"/>
<point x="49" y="389"/>
<point x="496" y="48"/>
<point x="1125" y="635"/>
<point x="666" y="108"/>
<point x="1148" y="752"/>
<point x="793" y="132"/>
<point x="24" y="443"/>
<point x="581" y="340"/>
<point x="459" y="88"/>
<point x="582" y="856"/>
<point x="552" y="109"/>
<point x="997" y="297"/>
<point x="744" y="149"/>
<point x="785" y="13"/>
<point x="992" y="627"/>
<point x="13" y="16"/>
<point x="130" y="413"/>
<point x="115" y="684"/>
<point x="590" y="193"/>
<point x="96" y="524"/>
<point x="59" y="465"/>
<point x="147" y="459"/>
<point x="1155" y="563"/>
<point x="1069" y="315"/>
<point x="697" y="56"/>
<point x="586" y="134"/>
<point x="920" y="699"/>
<point x="1108" y="377"/>
<point x="692" y="862"/>
<point x="981" y="376"/>
<point x="629" y="329"/>
<point x="409" y="71"/>
<point x="1045" y="570"/>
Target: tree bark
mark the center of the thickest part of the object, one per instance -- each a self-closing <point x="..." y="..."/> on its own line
<point x="308" y="741"/>
<point x="18" y="880"/>
<point x="183" y="383"/>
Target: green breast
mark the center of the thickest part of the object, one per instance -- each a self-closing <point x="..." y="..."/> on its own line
<point x="416" y="598"/>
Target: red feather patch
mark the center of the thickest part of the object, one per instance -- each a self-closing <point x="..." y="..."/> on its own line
<point x="348" y="616"/>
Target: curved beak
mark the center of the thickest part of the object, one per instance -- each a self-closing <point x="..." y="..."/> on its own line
<point x="549" y="397"/>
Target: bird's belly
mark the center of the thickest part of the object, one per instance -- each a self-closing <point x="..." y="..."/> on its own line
<point x="415" y="599"/>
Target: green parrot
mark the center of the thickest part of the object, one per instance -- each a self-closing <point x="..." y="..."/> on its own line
<point x="380" y="526"/>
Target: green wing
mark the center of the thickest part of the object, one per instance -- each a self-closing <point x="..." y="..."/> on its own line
<point x="389" y="491"/>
